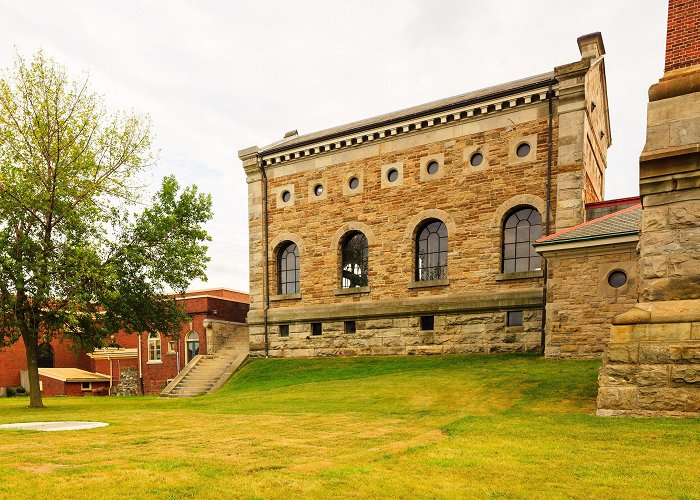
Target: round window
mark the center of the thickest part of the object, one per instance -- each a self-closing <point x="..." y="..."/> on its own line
<point x="617" y="278"/>
<point x="354" y="183"/>
<point x="392" y="175"/>
<point x="523" y="150"/>
<point x="286" y="196"/>
<point x="318" y="189"/>
<point x="433" y="167"/>
<point x="476" y="159"/>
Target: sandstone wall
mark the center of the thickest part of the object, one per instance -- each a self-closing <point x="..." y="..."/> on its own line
<point x="651" y="366"/>
<point x="580" y="302"/>
<point x="453" y="334"/>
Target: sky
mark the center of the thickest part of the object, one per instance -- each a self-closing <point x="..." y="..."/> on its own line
<point x="218" y="76"/>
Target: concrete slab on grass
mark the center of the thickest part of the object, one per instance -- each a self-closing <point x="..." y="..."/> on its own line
<point x="53" y="426"/>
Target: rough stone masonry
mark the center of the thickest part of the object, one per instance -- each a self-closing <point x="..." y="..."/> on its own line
<point x="652" y="362"/>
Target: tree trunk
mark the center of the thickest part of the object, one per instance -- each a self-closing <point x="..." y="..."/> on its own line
<point x="31" y="346"/>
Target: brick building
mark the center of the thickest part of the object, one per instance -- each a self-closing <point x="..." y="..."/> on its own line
<point x="155" y="358"/>
<point x="412" y="232"/>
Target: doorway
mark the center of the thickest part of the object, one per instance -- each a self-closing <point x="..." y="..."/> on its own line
<point x="191" y="346"/>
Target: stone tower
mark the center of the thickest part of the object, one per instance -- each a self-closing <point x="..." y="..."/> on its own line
<point x="652" y="363"/>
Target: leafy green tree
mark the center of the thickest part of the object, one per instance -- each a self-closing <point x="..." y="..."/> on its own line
<point x="82" y="255"/>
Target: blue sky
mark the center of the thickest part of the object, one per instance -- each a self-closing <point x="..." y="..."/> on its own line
<point x="219" y="76"/>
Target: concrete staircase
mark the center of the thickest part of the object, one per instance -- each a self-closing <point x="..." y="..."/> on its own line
<point x="206" y="373"/>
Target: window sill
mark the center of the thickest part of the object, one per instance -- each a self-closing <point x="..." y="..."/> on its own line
<point x="288" y="296"/>
<point x="351" y="291"/>
<point x="519" y="276"/>
<point x="155" y="362"/>
<point x="429" y="283"/>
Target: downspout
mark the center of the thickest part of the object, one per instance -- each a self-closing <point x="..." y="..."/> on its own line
<point x="267" y="258"/>
<point x="550" y="95"/>
<point x="140" y="365"/>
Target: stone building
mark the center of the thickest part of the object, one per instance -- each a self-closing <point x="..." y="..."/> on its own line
<point x="651" y="365"/>
<point x="412" y="232"/>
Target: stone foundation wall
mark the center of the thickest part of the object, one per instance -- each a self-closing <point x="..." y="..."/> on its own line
<point x="581" y="304"/>
<point x="128" y="383"/>
<point x="219" y="332"/>
<point x="453" y="334"/>
<point x="651" y="370"/>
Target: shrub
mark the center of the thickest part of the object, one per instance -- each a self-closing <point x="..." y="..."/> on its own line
<point x="20" y="390"/>
<point x="10" y="392"/>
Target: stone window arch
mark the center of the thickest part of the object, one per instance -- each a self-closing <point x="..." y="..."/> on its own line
<point x="522" y="226"/>
<point x="354" y="252"/>
<point x="288" y="266"/>
<point x="431" y="250"/>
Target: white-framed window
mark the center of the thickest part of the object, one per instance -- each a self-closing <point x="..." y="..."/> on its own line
<point x="171" y="346"/>
<point x="86" y="386"/>
<point x="154" y="347"/>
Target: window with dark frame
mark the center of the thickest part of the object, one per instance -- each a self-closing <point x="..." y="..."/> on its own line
<point x="286" y="196"/>
<point x="476" y="159"/>
<point x="515" y="318"/>
<point x="350" y="327"/>
<point x="433" y="167"/>
<point x="520" y="230"/>
<point x="284" y="330"/>
<point x="427" y="323"/>
<point x="354" y="183"/>
<point x="617" y="279"/>
<point x="355" y="256"/>
<point x="316" y="329"/>
<point x="288" y="269"/>
<point x="392" y="175"/>
<point x="431" y="251"/>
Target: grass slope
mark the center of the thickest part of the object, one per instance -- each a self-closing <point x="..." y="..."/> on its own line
<point x="510" y="426"/>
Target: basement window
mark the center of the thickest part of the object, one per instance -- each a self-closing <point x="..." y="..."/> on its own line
<point x="515" y="318"/>
<point x="284" y="330"/>
<point x="350" y="327"/>
<point x="427" y="323"/>
<point x="316" y="329"/>
<point x="86" y="386"/>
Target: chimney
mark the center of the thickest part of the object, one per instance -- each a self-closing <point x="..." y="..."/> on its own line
<point x="591" y="45"/>
<point x="682" y="34"/>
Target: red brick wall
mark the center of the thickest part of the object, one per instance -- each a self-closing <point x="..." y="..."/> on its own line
<point x="14" y="358"/>
<point x="683" y="34"/>
<point x="53" y="387"/>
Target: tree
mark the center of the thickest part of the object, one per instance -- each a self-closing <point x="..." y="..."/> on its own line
<point x="78" y="261"/>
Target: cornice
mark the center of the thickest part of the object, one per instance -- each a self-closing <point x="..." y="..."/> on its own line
<point x="468" y="110"/>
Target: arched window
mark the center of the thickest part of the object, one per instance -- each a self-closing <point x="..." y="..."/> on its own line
<point x="355" y="255"/>
<point x="431" y="251"/>
<point x="520" y="230"/>
<point x="154" y="347"/>
<point x="45" y="355"/>
<point x="288" y="269"/>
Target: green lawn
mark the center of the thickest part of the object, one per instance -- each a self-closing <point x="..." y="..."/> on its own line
<point x="509" y="426"/>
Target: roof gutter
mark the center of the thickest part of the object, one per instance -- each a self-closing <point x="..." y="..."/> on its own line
<point x="587" y="238"/>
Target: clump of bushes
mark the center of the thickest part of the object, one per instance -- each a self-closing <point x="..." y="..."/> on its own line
<point x="20" y="390"/>
<point x="10" y="392"/>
